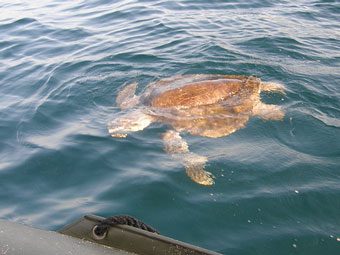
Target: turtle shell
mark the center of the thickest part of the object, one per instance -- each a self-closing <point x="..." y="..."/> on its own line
<point x="203" y="90"/>
<point x="206" y="105"/>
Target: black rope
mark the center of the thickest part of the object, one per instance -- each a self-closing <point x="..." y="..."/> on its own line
<point x="104" y="225"/>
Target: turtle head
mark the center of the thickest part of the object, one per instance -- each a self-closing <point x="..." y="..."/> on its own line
<point x="128" y="122"/>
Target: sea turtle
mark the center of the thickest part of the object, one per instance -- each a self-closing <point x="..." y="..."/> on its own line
<point x="202" y="105"/>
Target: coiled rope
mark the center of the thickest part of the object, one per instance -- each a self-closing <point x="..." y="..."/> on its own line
<point x="102" y="228"/>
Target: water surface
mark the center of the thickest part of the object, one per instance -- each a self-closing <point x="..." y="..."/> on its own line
<point x="62" y="64"/>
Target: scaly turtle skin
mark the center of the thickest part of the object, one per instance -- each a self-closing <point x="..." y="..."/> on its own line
<point x="203" y="105"/>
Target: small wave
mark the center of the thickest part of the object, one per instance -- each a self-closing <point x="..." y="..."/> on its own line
<point x="323" y="117"/>
<point x="17" y="24"/>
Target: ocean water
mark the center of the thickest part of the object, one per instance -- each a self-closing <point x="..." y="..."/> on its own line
<point x="62" y="64"/>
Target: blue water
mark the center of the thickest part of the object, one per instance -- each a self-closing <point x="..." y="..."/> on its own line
<point x="277" y="185"/>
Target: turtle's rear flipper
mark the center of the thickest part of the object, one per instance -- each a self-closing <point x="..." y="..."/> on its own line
<point x="126" y="98"/>
<point x="193" y="163"/>
<point x="272" y="87"/>
<point x="268" y="111"/>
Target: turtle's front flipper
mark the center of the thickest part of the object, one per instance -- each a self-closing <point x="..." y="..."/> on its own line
<point x="126" y="98"/>
<point x="272" y="87"/>
<point x="194" y="166"/>
<point x="268" y="111"/>
<point x="193" y="163"/>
